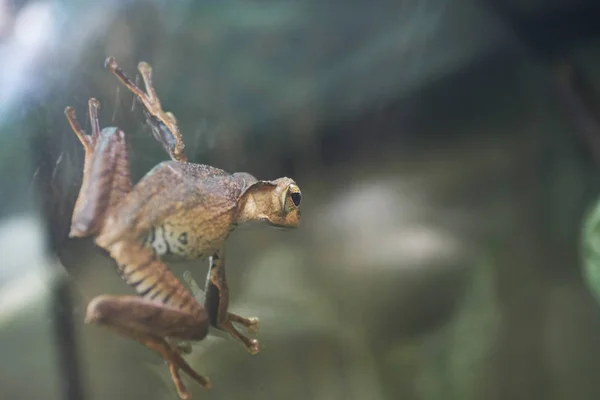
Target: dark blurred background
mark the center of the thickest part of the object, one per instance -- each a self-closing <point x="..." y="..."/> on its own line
<point x="447" y="154"/>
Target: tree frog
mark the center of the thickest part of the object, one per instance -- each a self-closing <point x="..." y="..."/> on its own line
<point x="177" y="210"/>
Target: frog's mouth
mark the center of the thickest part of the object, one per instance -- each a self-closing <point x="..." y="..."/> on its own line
<point x="274" y="225"/>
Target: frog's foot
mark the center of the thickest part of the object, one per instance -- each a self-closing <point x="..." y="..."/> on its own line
<point x="88" y="141"/>
<point x="252" y="323"/>
<point x="176" y="362"/>
<point x="252" y="345"/>
<point x="163" y="124"/>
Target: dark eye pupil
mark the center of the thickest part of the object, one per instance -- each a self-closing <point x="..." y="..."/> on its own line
<point x="296" y="197"/>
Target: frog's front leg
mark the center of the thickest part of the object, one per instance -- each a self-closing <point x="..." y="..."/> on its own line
<point x="217" y="304"/>
<point x="163" y="123"/>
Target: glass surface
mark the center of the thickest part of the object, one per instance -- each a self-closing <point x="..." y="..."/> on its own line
<point x="447" y="161"/>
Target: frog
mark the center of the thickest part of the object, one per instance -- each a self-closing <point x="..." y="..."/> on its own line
<point x="177" y="210"/>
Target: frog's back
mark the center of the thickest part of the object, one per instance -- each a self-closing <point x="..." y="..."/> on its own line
<point x="180" y="209"/>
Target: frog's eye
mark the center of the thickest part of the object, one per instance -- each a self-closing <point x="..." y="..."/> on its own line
<point x="296" y="198"/>
<point x="292" y="198"/>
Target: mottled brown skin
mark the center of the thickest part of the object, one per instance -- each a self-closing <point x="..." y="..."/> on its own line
<point x="178" y="210"/>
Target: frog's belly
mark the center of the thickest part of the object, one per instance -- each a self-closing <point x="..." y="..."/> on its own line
<point x="171" y="242"/>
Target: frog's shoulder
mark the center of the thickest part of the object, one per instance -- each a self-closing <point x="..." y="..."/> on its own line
<point x="176" y="182"/>
<point x="187" y="170"/>
<point x="206" y="179"/>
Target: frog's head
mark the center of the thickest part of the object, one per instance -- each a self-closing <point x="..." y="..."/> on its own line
<point x="275" y="202"/>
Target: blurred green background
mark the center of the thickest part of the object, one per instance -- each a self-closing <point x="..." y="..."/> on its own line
<point x="448" y="165"/>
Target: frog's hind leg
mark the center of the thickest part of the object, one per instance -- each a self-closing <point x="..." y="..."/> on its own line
<point x="149" y="323"/>
<point x="106" y="177"/>
<point x="163" y="310"/>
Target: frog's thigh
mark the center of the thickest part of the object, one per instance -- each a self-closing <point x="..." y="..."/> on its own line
<point x="138" y="315"/>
